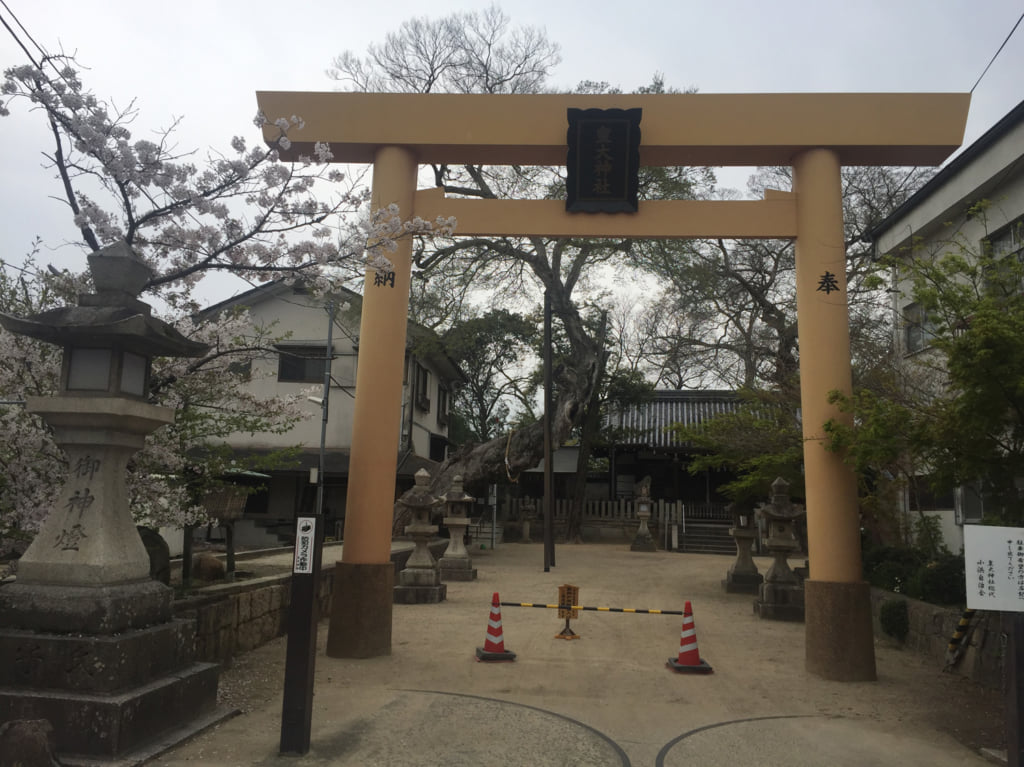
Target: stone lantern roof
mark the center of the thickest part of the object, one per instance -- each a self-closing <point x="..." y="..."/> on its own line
<point x="780" y="507"/>
<point x="418" y="497"/>
<point x="456" y="493"/>
<point x="113" y="315"/>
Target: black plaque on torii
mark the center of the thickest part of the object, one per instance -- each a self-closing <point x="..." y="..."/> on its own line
<point x="603" y="160"/>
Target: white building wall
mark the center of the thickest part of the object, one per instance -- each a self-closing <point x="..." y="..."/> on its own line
<point x="305" y="320"/>
<point x="995" y="176"/>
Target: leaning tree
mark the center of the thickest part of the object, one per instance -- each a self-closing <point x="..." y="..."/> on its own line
<point x="484" y="53"/>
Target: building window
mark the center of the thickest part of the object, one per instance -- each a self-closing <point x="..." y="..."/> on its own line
<point x="421" y="387"/>
<point x="442" y="406"/>
<point x="924" y="496"/>
<point x="438" y="448"/>
<point x="918" y="329"/>
<point x="1003" y="276"/>
<point x="343" y="370"/>
<point x="1008" y="241"/>
<point x="301" y="364"/>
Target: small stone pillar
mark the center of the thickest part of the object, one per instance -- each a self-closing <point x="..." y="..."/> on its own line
<point x="456" y="564"/>
<point x="743" y="577"/>
<point x="643" y="541"/>
<point x="781" y="596"/>
<point x="527" y="513"/>
<point x="420" y="581"/>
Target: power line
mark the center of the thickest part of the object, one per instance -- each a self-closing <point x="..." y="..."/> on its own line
<point x="996" y="53"/>
<point x="17" y="39"/>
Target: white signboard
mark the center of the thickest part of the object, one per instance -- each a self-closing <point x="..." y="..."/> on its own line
<point x="994" y="564"/>
<point x="305" y="539"/>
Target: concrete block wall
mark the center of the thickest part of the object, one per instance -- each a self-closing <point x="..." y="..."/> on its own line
<point x="931" y="627"/>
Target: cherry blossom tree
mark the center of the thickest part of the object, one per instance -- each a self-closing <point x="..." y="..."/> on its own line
<point x="187" y="214"/>
<point x="179" y="462"/>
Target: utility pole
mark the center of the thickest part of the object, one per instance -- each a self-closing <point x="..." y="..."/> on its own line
<point x="549" y="535"/>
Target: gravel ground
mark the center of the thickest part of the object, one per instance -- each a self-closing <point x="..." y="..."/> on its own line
<point x="912" y="691"/>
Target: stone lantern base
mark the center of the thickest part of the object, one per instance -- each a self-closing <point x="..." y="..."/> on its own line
<point x="456" y="564"/>
<point x="742" y="583"/>
<point x="457" y="569"/>
<point x="780" y="601"/>
<point x="643" y="541"/>
<point x="419" y="586"/>
<point x="743" y="577"/>
<point x="109" y="697"/>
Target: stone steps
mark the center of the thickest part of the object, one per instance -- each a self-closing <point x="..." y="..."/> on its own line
<point x="706" y="539"/>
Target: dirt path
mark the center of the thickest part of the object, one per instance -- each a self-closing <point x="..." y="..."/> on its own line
<point x="614" y="678"/>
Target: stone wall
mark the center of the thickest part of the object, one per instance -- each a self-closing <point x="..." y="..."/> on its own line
<point x="236" y="617"/>
<point x="931" y="627"/>
<point x="232" y="618"/>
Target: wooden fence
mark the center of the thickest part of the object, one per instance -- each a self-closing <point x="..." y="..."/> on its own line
<point x="624" y="510"/>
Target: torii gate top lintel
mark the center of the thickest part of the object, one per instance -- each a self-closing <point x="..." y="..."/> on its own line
<point x="677" y="129"/>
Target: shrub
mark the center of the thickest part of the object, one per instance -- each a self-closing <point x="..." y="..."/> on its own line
<point x="894" y="618"/>
<point x="928" y="536"/>
<point x="891" y="567"/>
<point x="941" y="581"/>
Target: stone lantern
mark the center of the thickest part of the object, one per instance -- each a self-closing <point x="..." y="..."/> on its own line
<point x="420" y="581"/>
<point x="743" y="577"/>
<point x="456" y="564"/>
<point x="83" y="585"/>
<point x="781" y="596"/>
<point x="527" y="513"/>
<point x="643" y="541"/>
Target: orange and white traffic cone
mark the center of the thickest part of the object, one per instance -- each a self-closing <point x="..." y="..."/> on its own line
<point x="494" y="643"/>
<point x="689" y="656"/>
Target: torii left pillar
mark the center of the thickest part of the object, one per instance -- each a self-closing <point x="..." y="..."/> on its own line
<point x="360" y="624"/>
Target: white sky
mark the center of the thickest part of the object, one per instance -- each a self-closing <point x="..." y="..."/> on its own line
<point x="203" y="60"/>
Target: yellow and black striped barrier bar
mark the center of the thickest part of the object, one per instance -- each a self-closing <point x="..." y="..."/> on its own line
<point x="961" y="630"/>
<point x="595" y="609"/>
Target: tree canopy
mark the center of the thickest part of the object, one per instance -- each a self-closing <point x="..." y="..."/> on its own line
<point x="956" y="413"/>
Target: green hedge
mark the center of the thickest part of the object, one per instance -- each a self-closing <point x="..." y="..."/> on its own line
<point x="939" y="580"/>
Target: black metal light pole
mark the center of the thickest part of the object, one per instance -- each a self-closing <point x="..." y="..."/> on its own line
<point x="304" y="612"/>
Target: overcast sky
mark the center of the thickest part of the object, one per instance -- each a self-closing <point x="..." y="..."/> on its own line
<point x="204" y="61"/>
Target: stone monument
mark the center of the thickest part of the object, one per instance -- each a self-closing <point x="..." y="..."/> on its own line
<point x="456" y="564"/>
<point x="781" y="596"/>
<point x="420" y="581"/>
<point x="88" y="638"/>
<point x="743" y="577"/>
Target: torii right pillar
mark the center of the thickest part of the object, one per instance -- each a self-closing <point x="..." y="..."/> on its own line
<point x="839" y="635"/>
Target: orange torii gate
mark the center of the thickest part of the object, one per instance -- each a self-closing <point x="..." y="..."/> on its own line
<point x="814" y="133"/>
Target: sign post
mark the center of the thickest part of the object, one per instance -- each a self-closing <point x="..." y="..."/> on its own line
<point x="994" y="563"/>
<point x="304" y="612"/>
